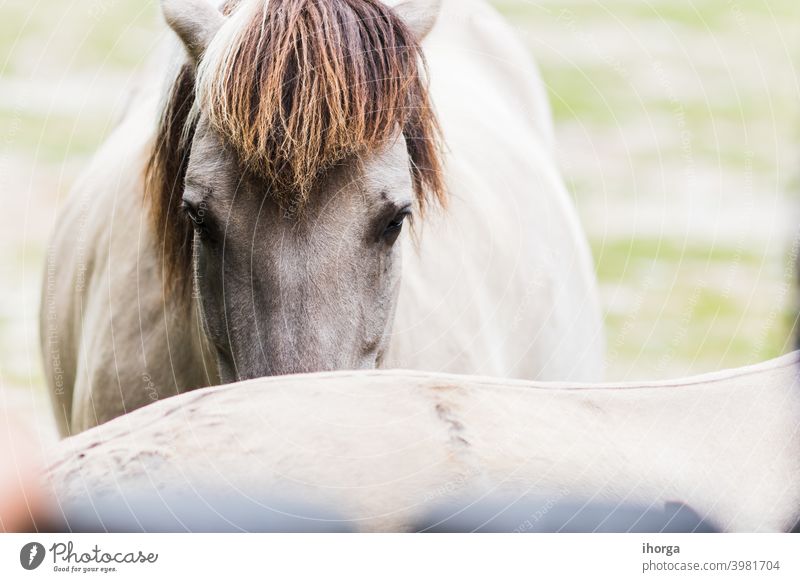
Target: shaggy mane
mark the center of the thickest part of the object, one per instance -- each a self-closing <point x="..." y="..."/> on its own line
<point x="296" y="86"/>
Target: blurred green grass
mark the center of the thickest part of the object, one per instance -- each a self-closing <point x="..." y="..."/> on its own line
<point x="690" y="108"/>
<point x="626" y="80"/>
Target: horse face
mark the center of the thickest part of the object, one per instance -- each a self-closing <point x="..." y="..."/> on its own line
<point x="289" y="290"/>
<point x="286" y="288"/>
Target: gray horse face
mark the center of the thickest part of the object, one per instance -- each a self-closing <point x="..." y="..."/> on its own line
<point x="287" y="291"/>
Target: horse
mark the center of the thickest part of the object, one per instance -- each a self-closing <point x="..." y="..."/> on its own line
<point x="387" y="450"/>
<point x="320" y="185"/>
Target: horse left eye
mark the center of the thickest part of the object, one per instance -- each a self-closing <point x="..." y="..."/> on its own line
<point x="396" y="224"/>
<point x="392" y="230"/>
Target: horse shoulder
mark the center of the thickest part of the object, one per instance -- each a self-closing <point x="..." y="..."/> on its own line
<point x="501" y="271"/>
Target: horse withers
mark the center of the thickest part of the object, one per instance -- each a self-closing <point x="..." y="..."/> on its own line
<point x="253" y="218"/>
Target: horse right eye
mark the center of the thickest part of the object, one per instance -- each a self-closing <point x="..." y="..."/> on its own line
<point x="198" y="214"/>
<point x="190" y="212"/>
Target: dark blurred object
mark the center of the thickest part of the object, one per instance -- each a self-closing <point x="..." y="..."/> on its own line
<point x="540" y="515"/>
<point x="195" y="511"/>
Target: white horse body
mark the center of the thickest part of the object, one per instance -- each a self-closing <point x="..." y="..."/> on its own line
<point x="503" y="282"/>
<point x="381" y="448"/>
<point x="500" y="284"/>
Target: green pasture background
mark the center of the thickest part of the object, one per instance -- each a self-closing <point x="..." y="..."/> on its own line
<point x="677" y="136"/>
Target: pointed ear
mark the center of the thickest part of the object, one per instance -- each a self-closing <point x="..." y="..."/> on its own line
<point x="194" y="21"/>
<point x="419" y="15"/>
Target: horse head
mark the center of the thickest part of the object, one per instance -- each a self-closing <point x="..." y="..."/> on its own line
<point x="296" y="143"/>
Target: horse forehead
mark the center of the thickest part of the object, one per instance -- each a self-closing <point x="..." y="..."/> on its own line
<point x="374" y="180"/>
<point x="377" y="178"/>
<point x="387" y="171"/>
<point x="212" y="159"/>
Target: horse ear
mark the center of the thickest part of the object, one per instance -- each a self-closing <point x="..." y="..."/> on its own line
<point x="419" y="15"/>
<point x="194" y="21"/>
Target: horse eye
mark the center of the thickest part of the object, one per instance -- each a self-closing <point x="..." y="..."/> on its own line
<point x="196" y="214"/>
<point x="392" y="230"/>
